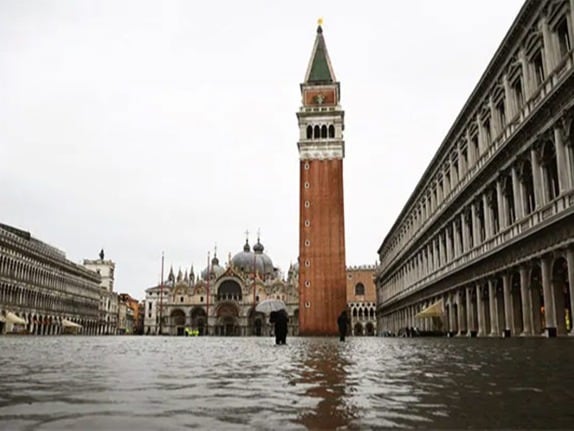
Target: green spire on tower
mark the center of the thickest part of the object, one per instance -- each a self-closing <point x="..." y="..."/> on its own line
<point x="320" y="70"/>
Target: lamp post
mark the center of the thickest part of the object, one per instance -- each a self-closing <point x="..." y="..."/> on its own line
<point x="207" y="303"/>
<point x="161" y="297"/>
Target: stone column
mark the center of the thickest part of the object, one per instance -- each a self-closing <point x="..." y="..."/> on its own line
<point x="494" y="327"/>
<point x="475" y="225"/>
<point x="456" y="233"/>
<point x="537" y="179"/>
<point x="561" y="161"/>
<point x="526" y="301"/>
<point x="465" y="233"/>
<point x="461" y="318"/>
<point x="487" y="217"/>
<point x="517" y="192"/>
<point x="441" y="250"/>
<point x="479" y="308"/>
<point x="496" y="125"/>
<point x="451" y="313"/>
<point x="448" y="243"/>
<point x="481" y="143"/>
<point x="570" y="260"/>
<point x="469" y="312"/>
<point x="549" y="303"/>
<point x="455" y="173"/>
<point x="469" y="152"/>
<point x="502" y="210"/>
<point x="508" y="313"/>
<point x="439" y="193"/>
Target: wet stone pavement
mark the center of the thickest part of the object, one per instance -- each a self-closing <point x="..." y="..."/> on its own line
<point x="155" y="383"/>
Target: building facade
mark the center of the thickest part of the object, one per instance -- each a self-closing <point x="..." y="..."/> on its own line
<point x="362" y="300"/>
<point x="108" y="312"/>
<point x="485" y="243"/>
<point x="42" y="292"/>
<point x="128" y="314"/>
<point x="322" y="294"/>
<point x="222" y="299"/>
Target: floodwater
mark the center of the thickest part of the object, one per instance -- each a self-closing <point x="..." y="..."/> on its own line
<point x="170" y="383"/>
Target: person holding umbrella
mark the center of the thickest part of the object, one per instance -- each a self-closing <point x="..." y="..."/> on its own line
<point x="280" y="319"/>
<point x="277" y="315"/>
<point x="342" y="322"/>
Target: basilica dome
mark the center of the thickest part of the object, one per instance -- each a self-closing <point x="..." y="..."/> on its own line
<point x="214" y="268"/>
<point x="246" y="259"/>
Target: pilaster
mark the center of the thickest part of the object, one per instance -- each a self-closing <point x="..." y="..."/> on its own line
<point x="549" y="48"/>
<point x="508" y="106"/>
<point x="518" y="195"/>
<point x="457" y="234"/>
<point x="470" y="151"/>
<point x="526" y="76"/>
<point x="502" y="210"/>
<point x="465" y="231"/>
<point x="563" y="181"/>
<point x="537" y="178"/>
<point x="475" y="225"/>
<point x="487" y="216"/>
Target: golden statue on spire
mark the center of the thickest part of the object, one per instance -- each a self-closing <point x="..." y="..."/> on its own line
<point x="320" y="21"/>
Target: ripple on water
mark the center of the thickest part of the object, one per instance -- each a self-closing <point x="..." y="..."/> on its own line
<point x="54" y="383"/>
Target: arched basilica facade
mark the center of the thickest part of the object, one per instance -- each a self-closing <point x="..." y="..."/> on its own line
<point x="222" y="299"/>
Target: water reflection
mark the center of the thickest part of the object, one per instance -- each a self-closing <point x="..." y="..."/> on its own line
<point x="148" y="383"/>
<point x="323" y="371"/>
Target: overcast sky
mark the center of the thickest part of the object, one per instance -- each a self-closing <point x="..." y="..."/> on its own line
<point x="147" y="126"/>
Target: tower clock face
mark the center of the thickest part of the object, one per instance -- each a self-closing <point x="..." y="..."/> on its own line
<point x="320" y="97"/>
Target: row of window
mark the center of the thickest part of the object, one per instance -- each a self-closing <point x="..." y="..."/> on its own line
<point x="541" y="53"/>
<point x="34" y="273"/>
<point x="513" y="196"/>
<point x="29" y="298"/>
<point x="320" y="132"/>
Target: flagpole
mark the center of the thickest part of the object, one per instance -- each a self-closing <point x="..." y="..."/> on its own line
<point x="207" y="303"/>
<point x="161" y="297"/>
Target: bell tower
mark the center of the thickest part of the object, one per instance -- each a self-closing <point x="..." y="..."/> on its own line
<point x="322" y="283"/>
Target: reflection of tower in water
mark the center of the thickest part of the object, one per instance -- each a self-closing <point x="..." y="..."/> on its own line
<point x="323" y="372"/>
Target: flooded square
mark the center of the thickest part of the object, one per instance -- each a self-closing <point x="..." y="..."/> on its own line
<point x="102" y="383"/>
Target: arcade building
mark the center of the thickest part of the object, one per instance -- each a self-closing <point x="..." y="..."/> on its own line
<point x="484" y="246"/>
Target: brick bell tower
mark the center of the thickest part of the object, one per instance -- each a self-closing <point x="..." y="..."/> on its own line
<point x="322" y="283"/>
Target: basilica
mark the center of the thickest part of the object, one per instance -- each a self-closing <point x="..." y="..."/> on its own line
<point x="221" y="300"/>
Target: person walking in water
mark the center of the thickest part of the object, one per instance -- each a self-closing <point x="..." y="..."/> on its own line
<point x="343" y="323"/>
<point x="280" y="319"/>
